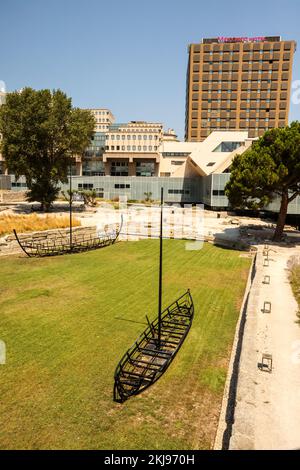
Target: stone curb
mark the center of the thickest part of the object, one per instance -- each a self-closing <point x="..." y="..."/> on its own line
<point x="231" y="389"/>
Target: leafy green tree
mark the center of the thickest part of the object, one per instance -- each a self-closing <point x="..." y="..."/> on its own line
<point x="41" y="135"/>
<point x="268" y="170"/>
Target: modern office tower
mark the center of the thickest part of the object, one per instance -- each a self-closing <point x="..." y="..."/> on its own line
<point x="238" y="84"/>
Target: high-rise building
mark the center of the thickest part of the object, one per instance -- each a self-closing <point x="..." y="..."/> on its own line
<point x="238" y="84"/>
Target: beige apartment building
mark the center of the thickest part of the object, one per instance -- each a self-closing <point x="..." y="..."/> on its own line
<point x="132" y="149"/>
<point x="124" y="149"/>
<point x="238" y="84"/>
<point x="103" y="119"/>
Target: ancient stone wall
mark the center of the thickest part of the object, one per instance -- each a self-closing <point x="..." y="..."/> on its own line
<point x="12" y="196"/>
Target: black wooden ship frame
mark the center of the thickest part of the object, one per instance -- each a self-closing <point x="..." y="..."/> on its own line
<point x="151" y="354"/>
<point x="62" y="246"/>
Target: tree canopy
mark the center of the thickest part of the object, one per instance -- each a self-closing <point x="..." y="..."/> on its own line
<point x="41" y="134"/>
<point x="269" y="169"/>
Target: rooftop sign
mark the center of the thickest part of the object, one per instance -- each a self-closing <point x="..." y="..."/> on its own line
<point x="223" y="39"/>
<point x="242" y="39"/>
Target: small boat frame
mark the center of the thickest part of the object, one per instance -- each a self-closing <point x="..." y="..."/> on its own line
<point x="151" y="354"/>
<point x="63" y="245"/>
<point x="148" y="358"/>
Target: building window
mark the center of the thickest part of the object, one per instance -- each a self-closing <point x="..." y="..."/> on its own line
<point x="128" y="147"/>
<point x="93" y="168"/>
<point x="85" y="186"/>
<point x="177" y="162"/>
<point x="145" y="169"/>
<point x="119" y="168"/>
<point x="211" y="164"/>
<point x="17" y="184"/>
<point x="175" y="154"/>
<point x="178" y="191"/>
<point x="218" y="192"/>
<point x="122" y="186"/>
<point x="227" y="146"/>
<point x="139" y="148"/>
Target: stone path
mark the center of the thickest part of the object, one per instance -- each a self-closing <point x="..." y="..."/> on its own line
<point x="267" y="413"/>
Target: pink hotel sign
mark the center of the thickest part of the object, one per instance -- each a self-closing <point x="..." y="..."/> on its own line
<point x="242" y="39"/>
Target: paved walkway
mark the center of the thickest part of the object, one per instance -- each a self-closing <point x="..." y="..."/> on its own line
<point x="267" y="413"/>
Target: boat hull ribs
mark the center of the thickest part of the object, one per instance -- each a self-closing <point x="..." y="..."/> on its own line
<point x="145" y="362"/>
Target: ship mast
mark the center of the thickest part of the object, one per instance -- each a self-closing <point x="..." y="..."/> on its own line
<point x="71" y="200"/>
<point x="160" y="267"/>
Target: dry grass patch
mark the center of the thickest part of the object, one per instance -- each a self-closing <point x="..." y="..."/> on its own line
<point x="34" y="222"/>
<point x="294" y="277"/>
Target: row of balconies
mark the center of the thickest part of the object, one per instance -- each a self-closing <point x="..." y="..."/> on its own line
<point x="243" y="104"/>
<point x="206" y="77"/>
<point x="245" y="57"/>
<point x="253" y="67"/>
<point x="231" y="87"/>
<point x="286" y="56"/>
<point x="253" y="113"/>
<point x="215" y="86"/>
<point x="242" y="123"/>
<point x="243" y="95"/>
<point x="245" y="67"/>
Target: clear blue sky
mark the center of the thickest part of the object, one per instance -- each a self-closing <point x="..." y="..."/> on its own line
<point x="128" y="56"/>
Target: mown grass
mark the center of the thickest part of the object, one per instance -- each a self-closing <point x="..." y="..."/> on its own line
<point x="66" y="323"/>
<point x="34" y="222"/>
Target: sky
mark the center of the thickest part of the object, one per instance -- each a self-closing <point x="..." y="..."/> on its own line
<point x="129" y="56"/>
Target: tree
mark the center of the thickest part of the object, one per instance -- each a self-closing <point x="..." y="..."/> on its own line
<point x="89" y="197"/>
<point x="268" y="170"/>
<point x="69" y="196"/>
<point x="148" y="196"/>
<point x="41" y="135"/>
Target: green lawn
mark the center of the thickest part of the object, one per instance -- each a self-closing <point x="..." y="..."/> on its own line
<point x="67" y="321"/>
<point x="294" y="277"/>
